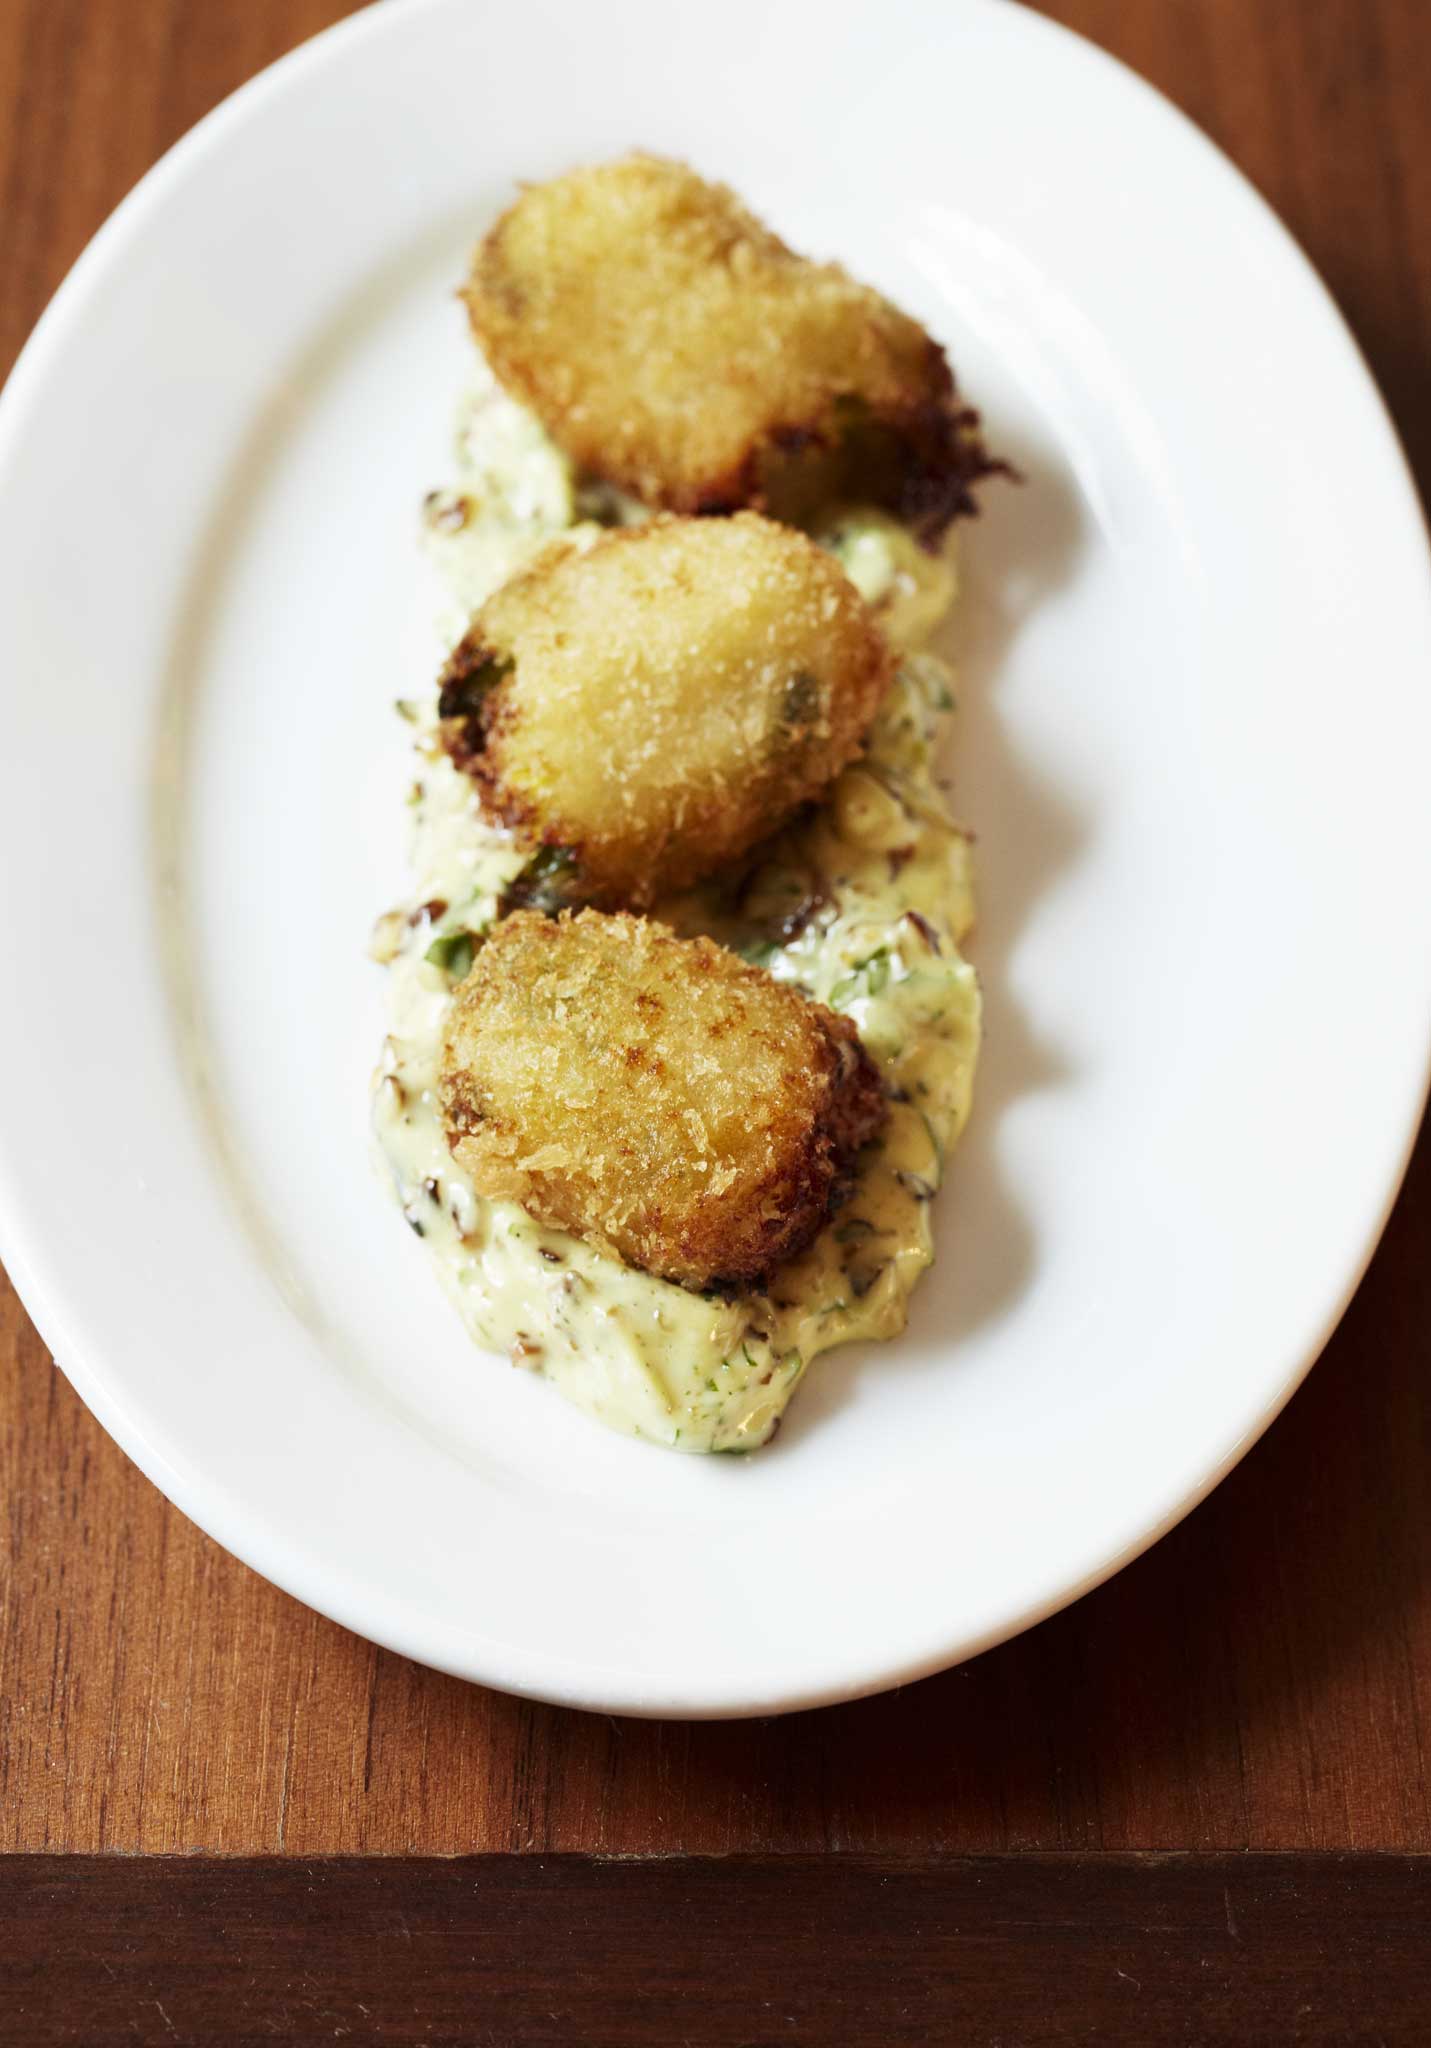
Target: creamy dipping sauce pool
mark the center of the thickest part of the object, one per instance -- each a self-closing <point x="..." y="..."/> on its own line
<point x="864" y="905"/>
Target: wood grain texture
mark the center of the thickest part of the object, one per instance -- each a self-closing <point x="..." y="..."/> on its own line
<point x="1262" y="1679"/>
<point x="990" y="1952"/>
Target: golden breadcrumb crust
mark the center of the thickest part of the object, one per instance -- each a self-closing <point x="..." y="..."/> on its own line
<point x="652" y="1093"/>
<point x="658" y="703"/>
<point x="676" y="348"/>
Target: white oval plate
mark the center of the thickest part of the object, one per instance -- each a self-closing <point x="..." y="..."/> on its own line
<point x="1197" y="722"/>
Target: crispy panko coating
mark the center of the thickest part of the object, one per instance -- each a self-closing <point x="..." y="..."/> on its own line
<point x="652" y="1093"/>
<point x="649" y="708"/>
<point x="675" y="348"/>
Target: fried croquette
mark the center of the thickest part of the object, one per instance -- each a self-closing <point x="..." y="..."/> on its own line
<point x="678" y="350"/>
<point x="652" y="1093"/>
<point x="648" y="709"/>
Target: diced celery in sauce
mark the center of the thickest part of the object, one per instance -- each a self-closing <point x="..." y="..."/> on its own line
<point x="879" y="939"/>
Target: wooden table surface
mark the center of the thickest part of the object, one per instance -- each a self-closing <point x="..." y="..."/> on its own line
<point x="1261" y="1680"/>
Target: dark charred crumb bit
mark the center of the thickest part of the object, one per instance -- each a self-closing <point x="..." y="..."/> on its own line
<point x="470" y="673"/>
<point x="933" y="497"/>
<point x="810" y="905"/>
<point x="550" y="882"/>
<point x="524" y="1351"/>
<point x="446" y="511"/>
<point x="925" y="929"/>
<point x="780" y="913"/>
<point x="899" y="859"/>
<point x="552" y="1258"/>
<point x="465" y="1116"/>
<point x="415" y="1223"/>
<point x="429" y="912"/>
<point x="432" y="1188"/>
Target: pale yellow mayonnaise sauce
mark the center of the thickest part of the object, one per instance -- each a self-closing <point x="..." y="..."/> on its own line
<point x="864" y="906"/>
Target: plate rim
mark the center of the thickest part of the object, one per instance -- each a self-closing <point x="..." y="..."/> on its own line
<point x="43" y="1301"/>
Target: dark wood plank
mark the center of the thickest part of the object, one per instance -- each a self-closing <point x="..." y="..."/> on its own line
<point x="869" y="1953"/>
<point x="1263" y="1678"/>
